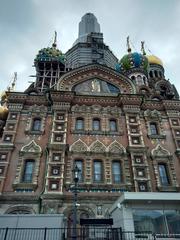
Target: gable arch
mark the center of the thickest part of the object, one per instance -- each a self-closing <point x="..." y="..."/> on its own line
<point x="78" y="146"/>
<point x="116" y="148"/>
<point x="82" y="74"/>
<point x="159" y="151"/>
<point x="97" y="147"/>
<point x="31" y="147"/>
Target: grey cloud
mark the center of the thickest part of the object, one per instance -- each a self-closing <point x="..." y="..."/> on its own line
<point x="27" y="26"/>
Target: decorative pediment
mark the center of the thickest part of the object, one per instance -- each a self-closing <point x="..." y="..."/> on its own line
<point x="31" y="147"/>
<point x="159" y="151"/>
<point x="95" y="79"/>
<point x="78" y="146"/>
<point x="117" y="148"/>
<point x="97" y="147"/>
<point x="152" y="114"/>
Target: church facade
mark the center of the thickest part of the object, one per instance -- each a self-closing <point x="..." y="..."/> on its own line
<point x="117" y="120"/>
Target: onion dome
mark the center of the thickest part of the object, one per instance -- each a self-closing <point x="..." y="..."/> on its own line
<point x="152" y="59"/>
<point x="132" y="60"/>
<point x="50" y="53"/>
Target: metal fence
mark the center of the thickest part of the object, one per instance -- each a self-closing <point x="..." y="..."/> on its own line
<point x="83" y="233"/>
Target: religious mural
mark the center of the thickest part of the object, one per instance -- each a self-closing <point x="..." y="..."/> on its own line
<point x="96" y="86"/>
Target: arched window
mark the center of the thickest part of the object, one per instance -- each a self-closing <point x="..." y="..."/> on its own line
<point x="163" y="174"/>
<point x="96" y="124"/>
<point x="156" y="73"/>
<point x="79" y="164"/>
<point x="116" y="172"/>
<point x="27" y="176"/>
<point x="79" y="124"/>
<point x="36" y="125"/>
<point x="139" y="80"/>
<point x="153" y="128"/>
<point x="133" y="78"/>
<point x="113" y="125"/>
<point x="98" y="171"/>
<point x="151" y="74"/>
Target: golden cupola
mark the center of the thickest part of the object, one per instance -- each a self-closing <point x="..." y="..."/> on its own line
<point x="152" y="59"/>
<point x="3" y="109"/>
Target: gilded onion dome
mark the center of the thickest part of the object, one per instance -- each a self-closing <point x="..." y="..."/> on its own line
<point x="152" y="59"/>
<point x="3" y="112"/>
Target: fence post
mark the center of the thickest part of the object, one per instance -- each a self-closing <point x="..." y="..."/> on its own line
<point x="5" y="236"/>
<point x="121" y="233"/>
<point x="45" y="231"/>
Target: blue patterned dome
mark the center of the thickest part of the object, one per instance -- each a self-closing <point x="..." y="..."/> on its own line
<point x="132" y="60"/>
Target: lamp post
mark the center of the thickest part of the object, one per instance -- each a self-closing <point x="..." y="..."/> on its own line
<point x="75" y="171"/>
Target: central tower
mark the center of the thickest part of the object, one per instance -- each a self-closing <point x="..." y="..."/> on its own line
<point x="89" y="46"/>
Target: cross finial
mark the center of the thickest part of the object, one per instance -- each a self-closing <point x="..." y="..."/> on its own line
<point x="128" y="45"/>
<point x="142" y="48"/>
<point x="55" y="40"/>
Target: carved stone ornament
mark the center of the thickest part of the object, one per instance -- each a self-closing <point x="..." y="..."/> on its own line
<point x="152" y="114"/>
<point x="31" y="147"/>
<point x="117" y="148"/>
<point x="97" y="147"/>
<point x="159" y="151"/>
<point x="78" y="146"/>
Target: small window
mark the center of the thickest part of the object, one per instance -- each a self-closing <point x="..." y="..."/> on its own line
<point x="142" y="186"/>
<point x="175" y="122"/>
<point x="8" y="138"/>
<point x="56" y="157"/>
<point x="54" y="185"/>
<point x="79" y="124"/>
<point x="79" y="164"/>
<point x="135" y="140"/>
<point x="10" y="126"/>
<point x="134" y="129"/>
<point x="96" y="124"/>
<point x="2" y="170"/>
<point x="36" y="125"/>
<point x="163" y="174"/>
<point x="177" y="133"/>
<point x="13" y="116"/>
<point x="59" y="127"/>
<point x="98" y="171"/>
<point x="58" y="138"/>
<point x="60" y="116"/>
<point x="28" y="171"/>
<point x="55" y="170"/>
<point x="113" y="125"/>
<point x="3" y="156"/>
<point x="140" y="172"/>
<point x="151" y="74"/>
<point x="132" y="119"/>
<point x="116" y="172"/>
<point x="138" y="159"/>
<point x="133" y="78"/>
<point x="153" y="129"/>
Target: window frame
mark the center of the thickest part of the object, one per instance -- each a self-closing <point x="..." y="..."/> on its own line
<point x="94" y="126"/>
<point x="120" y="172"/>
<point x="81" y="128"/>
<point x="161" y="176"/>
<point x="36" y="126"/>
<point x="100" y="173"/>
<point x="25" y="171"/>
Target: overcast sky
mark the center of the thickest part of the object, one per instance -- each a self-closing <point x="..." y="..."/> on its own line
<point x="26" y="26"/>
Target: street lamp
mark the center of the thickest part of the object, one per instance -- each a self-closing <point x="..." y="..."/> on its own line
<point x="76" y="172"/>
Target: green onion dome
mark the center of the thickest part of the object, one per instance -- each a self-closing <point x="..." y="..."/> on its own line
<point x="50" y="54"/>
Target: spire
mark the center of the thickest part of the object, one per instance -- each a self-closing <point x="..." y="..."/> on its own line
<point x="128" y="45"/>
<point x="142" y="48"/>
<point x="13" y="84"/>
<point x="55" y="40"/>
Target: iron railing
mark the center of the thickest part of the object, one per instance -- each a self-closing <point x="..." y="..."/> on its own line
<point x="82" y="233"/>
